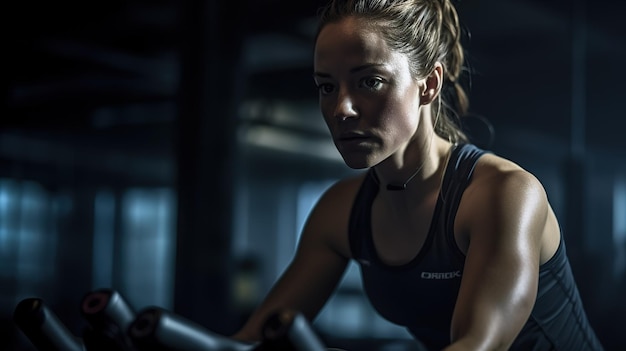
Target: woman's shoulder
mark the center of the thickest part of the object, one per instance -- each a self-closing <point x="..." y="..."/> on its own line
<point x="343" y="191"/>
<point x="498" y="180"/>
<point x="503" y="197"/>
<point x="329" y="219"/>
<point x="497" y="170"/>
<point x="332" y="210"/>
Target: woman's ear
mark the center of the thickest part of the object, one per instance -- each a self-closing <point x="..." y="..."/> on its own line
<point x="431" y="85"/>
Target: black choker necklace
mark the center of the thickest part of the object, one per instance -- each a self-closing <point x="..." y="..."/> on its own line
<point x="397" y="187"/>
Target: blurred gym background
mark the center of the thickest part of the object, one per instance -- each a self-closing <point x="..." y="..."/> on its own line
<point x="171" y="150"/>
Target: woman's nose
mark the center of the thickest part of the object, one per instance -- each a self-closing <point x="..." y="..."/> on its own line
<point x="345" y="108"/>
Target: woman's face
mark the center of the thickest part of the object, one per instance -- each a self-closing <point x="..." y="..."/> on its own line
<point x="367" y="95"/>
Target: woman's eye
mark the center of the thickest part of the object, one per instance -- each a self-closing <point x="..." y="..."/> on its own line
<point x="325" y="88"/>
<point x="373" y="83"/>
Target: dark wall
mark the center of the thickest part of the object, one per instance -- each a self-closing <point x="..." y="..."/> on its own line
<point x="162" y="148"/>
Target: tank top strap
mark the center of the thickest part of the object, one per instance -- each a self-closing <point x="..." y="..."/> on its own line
<point x="458" y="175"/>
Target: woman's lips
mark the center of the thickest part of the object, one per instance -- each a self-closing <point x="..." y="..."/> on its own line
<point x="353" y="139"/>
<point x="352" y="135"/>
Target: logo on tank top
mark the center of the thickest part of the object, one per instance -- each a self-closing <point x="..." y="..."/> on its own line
<point x="441" y="275"/>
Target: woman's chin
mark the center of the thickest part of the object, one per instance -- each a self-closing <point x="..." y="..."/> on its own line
<point x="357" y="162"/>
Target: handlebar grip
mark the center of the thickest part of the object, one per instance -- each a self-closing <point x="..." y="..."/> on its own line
<point x="105" y="308"/>
<point x="43" y="328"/>
<point x="290" y="330"/>
<point x="157" y="329"/>
<point x="109" y="317"/>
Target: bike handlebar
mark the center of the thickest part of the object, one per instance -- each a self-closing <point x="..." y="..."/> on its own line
<point x="43" y="327"/>
<point x="114" y="326"/>
<point x="157" y="329"/>
<point x="109" y="317"/>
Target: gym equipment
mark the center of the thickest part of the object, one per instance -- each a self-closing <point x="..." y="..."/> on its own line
<point x="109" y="316"/>
<point x="289" y="330"/>
<point x="43" y="327"/>
<point x="157" y="329"/>
<point x="113" y="325"/>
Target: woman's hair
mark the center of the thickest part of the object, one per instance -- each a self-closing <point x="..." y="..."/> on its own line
<point x="427" y="31"/>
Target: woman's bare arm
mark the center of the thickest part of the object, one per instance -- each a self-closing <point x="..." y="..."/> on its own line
<point x="319" y="263"/>
<point x="506" y="219"/>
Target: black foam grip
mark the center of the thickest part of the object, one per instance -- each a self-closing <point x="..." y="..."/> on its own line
<point x="109" y="316"/>
<point x="289" y="330"/>
<point x="43" y="328"/>
<point x="157" y="329"/>
<point x="106" y="307"/>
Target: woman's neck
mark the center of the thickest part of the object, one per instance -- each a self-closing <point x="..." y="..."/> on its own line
<point x="418" y="172"/>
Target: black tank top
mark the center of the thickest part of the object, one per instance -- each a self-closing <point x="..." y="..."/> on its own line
<point x="421" y="294"/>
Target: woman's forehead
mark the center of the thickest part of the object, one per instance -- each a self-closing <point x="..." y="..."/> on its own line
<point x="349" y="29"/>
<point x="350" y="43"/>
<point x="350" y="39"/>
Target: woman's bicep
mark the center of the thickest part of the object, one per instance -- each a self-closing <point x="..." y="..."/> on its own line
<point x="315" y="270"/>
<point x="305" y="285"/>
<point x="500" y="277"/>
<point x="313" y="274"/>
<point x="322" y="254"/>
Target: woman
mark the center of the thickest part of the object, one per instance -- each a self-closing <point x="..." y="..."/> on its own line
<point x="457" y="244"/>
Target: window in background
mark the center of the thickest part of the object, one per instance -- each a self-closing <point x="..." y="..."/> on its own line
<point x="103" y="239"/>
<point x="28" y="237"/>
<point x="619" y="226"/>
<point x="148" y="246"/>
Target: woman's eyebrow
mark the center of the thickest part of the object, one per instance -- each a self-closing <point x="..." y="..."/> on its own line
<point x="352" y="70"/>
<point x="321" y="74"/>
<point x="366" y="66"/>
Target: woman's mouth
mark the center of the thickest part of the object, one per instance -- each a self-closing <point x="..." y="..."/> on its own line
<point x="353" y="139"/>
